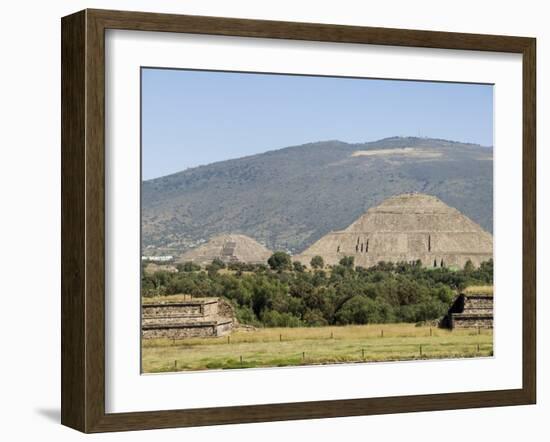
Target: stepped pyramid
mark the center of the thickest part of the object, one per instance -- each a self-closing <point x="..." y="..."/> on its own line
<point x="228" y="248"/>
<point x="407" y="227"/>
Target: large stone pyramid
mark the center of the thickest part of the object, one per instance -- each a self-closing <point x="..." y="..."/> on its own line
<point x="228" y="248"/>
<point x="407" y="227"/>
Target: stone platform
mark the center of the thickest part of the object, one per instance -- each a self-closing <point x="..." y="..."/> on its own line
<point x="472" y="310"/>
<point x="196" y="317"/>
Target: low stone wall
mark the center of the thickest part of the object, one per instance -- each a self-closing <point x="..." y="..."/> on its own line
<point x="180" y="331"/>
<point x="224" y="329"/>
<point x="464" y="320"/>
<point x="193" y="308"/>
<point x="198" y="317"/>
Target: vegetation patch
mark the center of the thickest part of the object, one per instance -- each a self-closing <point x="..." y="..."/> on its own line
<point x="285" y="295"/>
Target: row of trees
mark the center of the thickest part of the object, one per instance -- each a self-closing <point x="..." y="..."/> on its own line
<point x="285" y="295"/>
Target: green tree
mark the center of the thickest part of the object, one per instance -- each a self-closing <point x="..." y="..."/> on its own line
<point x="347" y="261"/>
<point x="298" y="267"/>
<point x="317" y="262"/>
<point x="469" y="267"/>
<point x="280" y="261"/>
<point x="314" y="318"/>
<point x="218" y="263"/>
<point x="360" y="310"/>
<point x="188" y="266"/>
<point x="272" y="318"/>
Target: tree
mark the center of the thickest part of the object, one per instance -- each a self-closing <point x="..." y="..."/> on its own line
<point x="212" y="269"/>
<point x="360" y="310"/>
<point x="469" y="267"/>
<point x="317" y="262"/>
<point x="298" y="267"/>
<point x="314" y="318"/>
<point x="280" y="261"/>
<point x="347" y="261"/>
<point x="217" y="262"/>
<point x="188" y="267"/>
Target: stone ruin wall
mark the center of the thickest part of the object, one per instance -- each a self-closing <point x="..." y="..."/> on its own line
<point x="195" y="318"/>
<point x="181" y="332"/>
<point x="470" y="311"/>
<point x="472" y="321"/>
<point x="479" y="304"/>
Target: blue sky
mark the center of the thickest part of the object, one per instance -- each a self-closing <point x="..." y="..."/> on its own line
<point x="190" y="118"/>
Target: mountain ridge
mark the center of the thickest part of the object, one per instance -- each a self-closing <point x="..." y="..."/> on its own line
<point x="383" y="143"/>
<point x="288" y="198"/>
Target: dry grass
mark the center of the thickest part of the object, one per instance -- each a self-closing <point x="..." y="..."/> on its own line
<point x="481" y="289"/>
<point x="165" y="299"/>
<point x="273" y="347"/>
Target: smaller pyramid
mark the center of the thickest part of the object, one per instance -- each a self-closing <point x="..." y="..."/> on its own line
<point x="228" y="248"/>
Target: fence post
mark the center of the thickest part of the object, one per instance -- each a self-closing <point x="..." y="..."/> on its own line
<point x="363" y="353"/>
<point x="421" y="351"/>
<point x="381" y="333"/>
<point x="331" y="335"/>
<point x="229" y="339"/>
<point x="175" y="364"/>
<point x="280" y="338"/>
<point x="430" y="331"/>
<point x="241" y="360"/>
<point x="303" y="355"/>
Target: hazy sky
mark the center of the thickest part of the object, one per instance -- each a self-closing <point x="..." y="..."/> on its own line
<point x="190" y="118"/>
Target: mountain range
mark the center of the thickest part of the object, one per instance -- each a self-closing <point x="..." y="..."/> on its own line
<point x="289" y="198"/>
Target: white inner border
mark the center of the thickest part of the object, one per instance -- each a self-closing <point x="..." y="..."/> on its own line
<point x="127" y="390"/>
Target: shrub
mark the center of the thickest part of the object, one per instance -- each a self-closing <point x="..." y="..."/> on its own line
<point x="314" y="318"/>
<point x="347" y="261"/>
<point x="469" y="267"/>
<point x="298" y="267"/>
<point x="359" y="310"/>
<point x="188" y="267"/>
<point x="317" y="262"/>
<point x="217" y="262"/>
<point x="279" y="261"/>
<point x="272" y="318"/>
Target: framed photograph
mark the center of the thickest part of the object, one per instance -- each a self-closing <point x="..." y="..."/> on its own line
<point x="268" y="220"/>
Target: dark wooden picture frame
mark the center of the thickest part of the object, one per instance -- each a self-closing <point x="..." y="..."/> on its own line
<point x="83" y="220"/>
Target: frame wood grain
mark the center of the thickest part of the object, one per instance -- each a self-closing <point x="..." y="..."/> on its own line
<point x="83" y="218"/>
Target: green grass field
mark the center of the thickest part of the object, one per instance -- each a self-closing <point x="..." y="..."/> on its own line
<point x="279" y="347"/>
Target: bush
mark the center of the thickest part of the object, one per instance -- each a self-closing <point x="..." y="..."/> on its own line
<point x="279" y="261"/>
<point x="359" y="310"/>
<point x="217" y="262"/>
<point x="347" y="261"/>
<point x="298" y="267"/>
<point x="245" y="315"/>
<point x="272" y="318"/>
<point x="314" y="318"/>
<point x="469" y="267"/>
<point x="188" y="267"/>
<point x="317" y="262"/>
